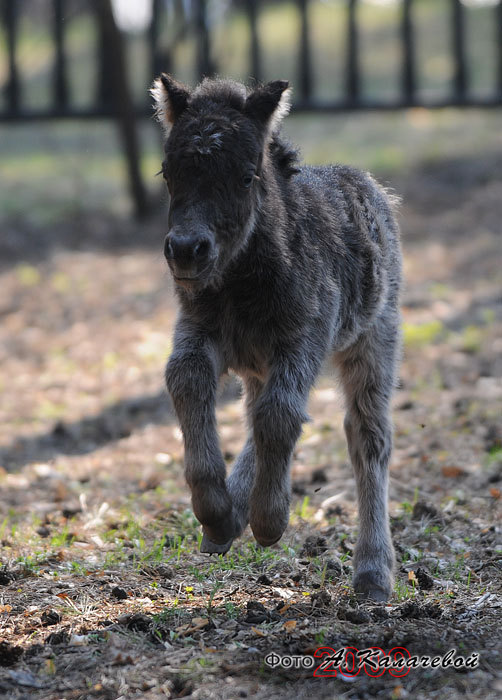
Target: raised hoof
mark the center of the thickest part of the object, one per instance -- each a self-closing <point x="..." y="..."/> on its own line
<point x="209" y="547"/>
<point x="267" y="530"/>
<point x="221" y="532"/>
<point x="267" y="542"/>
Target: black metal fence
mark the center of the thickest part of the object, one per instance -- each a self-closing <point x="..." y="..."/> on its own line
<point x="192" y="19"/>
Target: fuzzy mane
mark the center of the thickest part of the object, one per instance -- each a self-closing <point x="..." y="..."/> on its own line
<point x="284" y="155"/>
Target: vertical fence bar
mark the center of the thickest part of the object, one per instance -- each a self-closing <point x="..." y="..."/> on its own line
<point x="353" y="82"/>
<point x="105" y="87"/>
<point x="12" y="87"/>
<point x="458" y="28"/>
<point x="60" y="85"/>
<point x="408" y="53"/>
<point x="498" y="39"/>
<point x="204" y="65"/>
<point x="305" y="67"/>
<point x="255" y="54"/>
<point x="153" y="41"/>
<point x="121" y="103"/>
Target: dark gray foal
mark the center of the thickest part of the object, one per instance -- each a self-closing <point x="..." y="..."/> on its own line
<point x="277" y="267"/>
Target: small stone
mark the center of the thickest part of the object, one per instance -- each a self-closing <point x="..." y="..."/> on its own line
<point x="61" y="637"/>
<point x="137" y="622"/>
<point x="6" y="577"/>
<point x="50" y="617"/>
<point x="9" y="654"/>
<point x="319" y="476"/>
<point x="421" y="510"/>
<point x="357" y="616"/>
<point x="322" y="599"/>
<point x="43" y="531"/>
<point x="314" y="546"/>
<point x="425" y="580"/>
<point x="256" y="612"/>
<point x="119" y="593"/>
<point x="333" y="566"/>
<point x="164" y="571"/>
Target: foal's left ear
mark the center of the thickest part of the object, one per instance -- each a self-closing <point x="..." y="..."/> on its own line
<point x="170" y="98"/>
<point x="269" y="103"/>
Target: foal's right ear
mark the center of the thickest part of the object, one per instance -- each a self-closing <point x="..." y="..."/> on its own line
<point x="268" y="104"/>
<point x="170" y="98"/>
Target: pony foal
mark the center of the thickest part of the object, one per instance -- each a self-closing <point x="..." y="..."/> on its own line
<point x="277" y="267"/>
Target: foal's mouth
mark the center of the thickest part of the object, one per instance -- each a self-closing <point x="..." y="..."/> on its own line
<point x="190" y="281"/>
<point x="187" y="282"/>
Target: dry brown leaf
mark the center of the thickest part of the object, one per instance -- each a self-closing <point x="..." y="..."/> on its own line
<point x="60" y="491"/>
<point x="452" y="472"/>
<point x="495" y="493"/>
<point x="285" y="608"/>
<point x="121" y="659"/>
<point x="199" y="621"/>
<point x="289" y="625"/>
<point x="260" y="633"/>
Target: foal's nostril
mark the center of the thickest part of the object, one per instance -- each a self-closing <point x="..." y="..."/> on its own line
<point x="186" y="249"/>
<point x="201" y="250"/>
<point x="168" y="249"/>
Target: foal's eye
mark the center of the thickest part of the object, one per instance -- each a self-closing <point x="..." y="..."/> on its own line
<point x="247" y="180"/>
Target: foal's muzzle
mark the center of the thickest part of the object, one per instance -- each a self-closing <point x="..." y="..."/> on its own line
<point x="188" y="255"/>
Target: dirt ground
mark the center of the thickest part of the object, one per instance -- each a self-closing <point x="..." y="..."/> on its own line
<point x="103" y="593"/>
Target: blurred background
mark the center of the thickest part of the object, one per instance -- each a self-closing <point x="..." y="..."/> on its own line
<point x="74" y="79"/>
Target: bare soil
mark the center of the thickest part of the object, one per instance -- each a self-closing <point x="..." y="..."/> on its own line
<point x="103" y="593"/>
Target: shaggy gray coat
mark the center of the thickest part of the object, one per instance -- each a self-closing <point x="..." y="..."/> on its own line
<point x="277" y="268"/>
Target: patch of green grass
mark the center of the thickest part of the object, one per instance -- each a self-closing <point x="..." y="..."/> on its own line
<point x="431" y="529"/>
<point x="494" y="455"/>
<point x="28" y="275"/>
<point x="406" y="507"/>
<point x="231" y="610"/>
<point x="63" y="538"/>
<point x="302" y="509"/>
<point x="440" y="290"/>
<point x="488" y="316"/>
<point x="32" y="563"/>
<point x="417" y="335"/>
<point x="471" y="339"/>
<point x="403" y="591"/>
<point x="248" y="557"/>
<point x="50" y="410"/>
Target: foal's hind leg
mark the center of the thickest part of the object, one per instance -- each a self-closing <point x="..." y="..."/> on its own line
<point x="368" y="376"/>
<point x="241" y="479"/>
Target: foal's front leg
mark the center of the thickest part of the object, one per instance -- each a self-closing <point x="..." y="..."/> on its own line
<point x="191" y="376"/>
<point x="277" y="423"/>
<point x="241" y="480"/>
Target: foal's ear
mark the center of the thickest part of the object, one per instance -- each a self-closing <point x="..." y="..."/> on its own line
<point x="269" y="103"/>
<point x="170" y="98"/>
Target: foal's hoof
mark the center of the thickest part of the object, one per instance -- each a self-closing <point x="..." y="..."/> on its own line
<point x="221" y="532"/>
<point x="265" y="542"/>
<point x="268" y="527"/>
<point x="208" y="547"/>
<point x="373" y="586"/>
